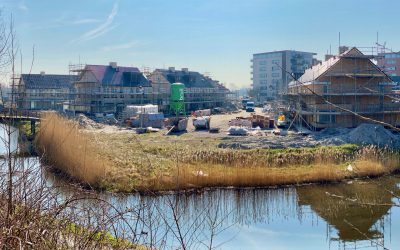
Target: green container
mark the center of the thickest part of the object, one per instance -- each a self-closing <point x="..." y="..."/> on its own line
<point x="177" y="98"/>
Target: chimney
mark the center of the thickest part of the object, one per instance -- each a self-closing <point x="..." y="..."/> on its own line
<point x="113" y="65"/>
<point x="42" y="73"/>
<point x="185" y="70"/>
<point x="172" y="69"/>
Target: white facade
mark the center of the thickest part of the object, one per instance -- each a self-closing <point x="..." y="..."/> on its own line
<point x="270" y="71"/>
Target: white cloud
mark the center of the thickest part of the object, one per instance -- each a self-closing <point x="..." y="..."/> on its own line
<point x="22" y="6"/>
<point x="122" y="46"/>
<point x="101" y="29"/>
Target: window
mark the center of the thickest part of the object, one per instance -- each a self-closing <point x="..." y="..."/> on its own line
<point x="275" y="68"/>
<point x="392" y="56"/>
<point x="391" y="68"/>
<point x="276" y="61"/>
<point x="326" y="118"/>
<point x="390" y="62"/>
<point x="263" y="62"/>
<point x="263" y="82"/>
<point x="263" y="75"/>
<point x="275" y="74"/>
<point x="263" y="68"/>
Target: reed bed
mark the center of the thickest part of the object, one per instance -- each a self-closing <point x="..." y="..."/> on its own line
<point x="128" y="162"/>
<point x="70" y="150"/>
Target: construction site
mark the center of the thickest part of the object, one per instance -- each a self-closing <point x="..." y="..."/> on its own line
<point x="344" y="91"/>
<point x="334" y="102"/>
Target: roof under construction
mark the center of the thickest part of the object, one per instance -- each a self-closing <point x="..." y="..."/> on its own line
<point x="116" y="75"/>
<point x="191" y="79"/>
<point x="321" y="69"/>
<point x="45" y="81"/>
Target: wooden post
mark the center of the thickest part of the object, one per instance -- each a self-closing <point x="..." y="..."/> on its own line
<point x="33" y="127"/>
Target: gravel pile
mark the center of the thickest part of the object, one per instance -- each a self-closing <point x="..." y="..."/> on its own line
<point x="372" y="134"/>
<point x="365" y="134"/>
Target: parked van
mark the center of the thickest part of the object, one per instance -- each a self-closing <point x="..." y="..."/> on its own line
<point x="250" y="107"/>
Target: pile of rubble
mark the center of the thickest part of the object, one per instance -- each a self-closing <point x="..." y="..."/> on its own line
<point x="87" y="123"/>
<point x="365" y="134"/>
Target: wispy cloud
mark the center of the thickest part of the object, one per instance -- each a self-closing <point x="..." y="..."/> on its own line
<point x="63" y="21"/>
<point x="85" y="21"/>
<point x="122" y="46"/>
<point x="101" y="29"/>
<point x="22" y="6"/>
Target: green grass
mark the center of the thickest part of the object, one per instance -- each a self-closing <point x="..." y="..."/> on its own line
<point x="102" y="238"/>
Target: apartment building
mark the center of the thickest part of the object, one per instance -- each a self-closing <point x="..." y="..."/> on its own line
<point x="109" y="89"/>
<point x="43" y="91"/>
<point x="390" y="64"/>
<point x="201" y="92"/>
<point x="352" y="82"/>
<point x="271" y="72"/>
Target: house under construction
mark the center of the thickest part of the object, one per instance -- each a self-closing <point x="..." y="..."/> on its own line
<point x="349" y="80"/>
<point x="43" y="91"/>
<point x="109" y="89"/>
<point x="201" y="92"/>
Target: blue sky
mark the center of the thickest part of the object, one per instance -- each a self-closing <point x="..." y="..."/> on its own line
<point x="216" y="36"/>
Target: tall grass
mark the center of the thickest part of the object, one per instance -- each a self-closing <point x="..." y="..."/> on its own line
<point x="66" y="148"/>
<point x="128" y="162"/>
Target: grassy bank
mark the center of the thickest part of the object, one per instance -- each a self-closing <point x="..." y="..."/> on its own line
<point x="30" y="228"/>
<point x="128" y="162"/>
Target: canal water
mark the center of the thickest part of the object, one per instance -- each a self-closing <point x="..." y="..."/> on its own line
<point x="360" y="214"/>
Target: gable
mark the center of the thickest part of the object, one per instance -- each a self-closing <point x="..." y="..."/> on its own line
<point x="353" y="52"/>
<point x="88" y="76"/>
<point x="355" y="66"/>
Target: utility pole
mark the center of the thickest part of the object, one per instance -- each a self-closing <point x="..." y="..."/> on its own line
<point x="141" y="91"/>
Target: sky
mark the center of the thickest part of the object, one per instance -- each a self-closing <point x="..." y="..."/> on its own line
<point x="214" y="36"/>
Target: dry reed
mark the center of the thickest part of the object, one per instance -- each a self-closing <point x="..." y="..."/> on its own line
<point x="128" y="162"/>
<point x="65" y="147"/>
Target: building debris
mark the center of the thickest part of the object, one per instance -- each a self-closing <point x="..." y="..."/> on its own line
<point x="176" y="124"/>
<point x="87" y="123"/>
<point x="237" y="130"/>
<point x="202" y="122"/>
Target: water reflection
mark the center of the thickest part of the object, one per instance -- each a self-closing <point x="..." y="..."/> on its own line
<point x="356" y="210"/>
<point x="357" y="215"/>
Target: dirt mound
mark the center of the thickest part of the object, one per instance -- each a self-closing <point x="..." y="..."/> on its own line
<point x="87" y="123"/>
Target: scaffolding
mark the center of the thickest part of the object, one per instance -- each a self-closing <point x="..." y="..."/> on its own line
<point x="364" y="89"/>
